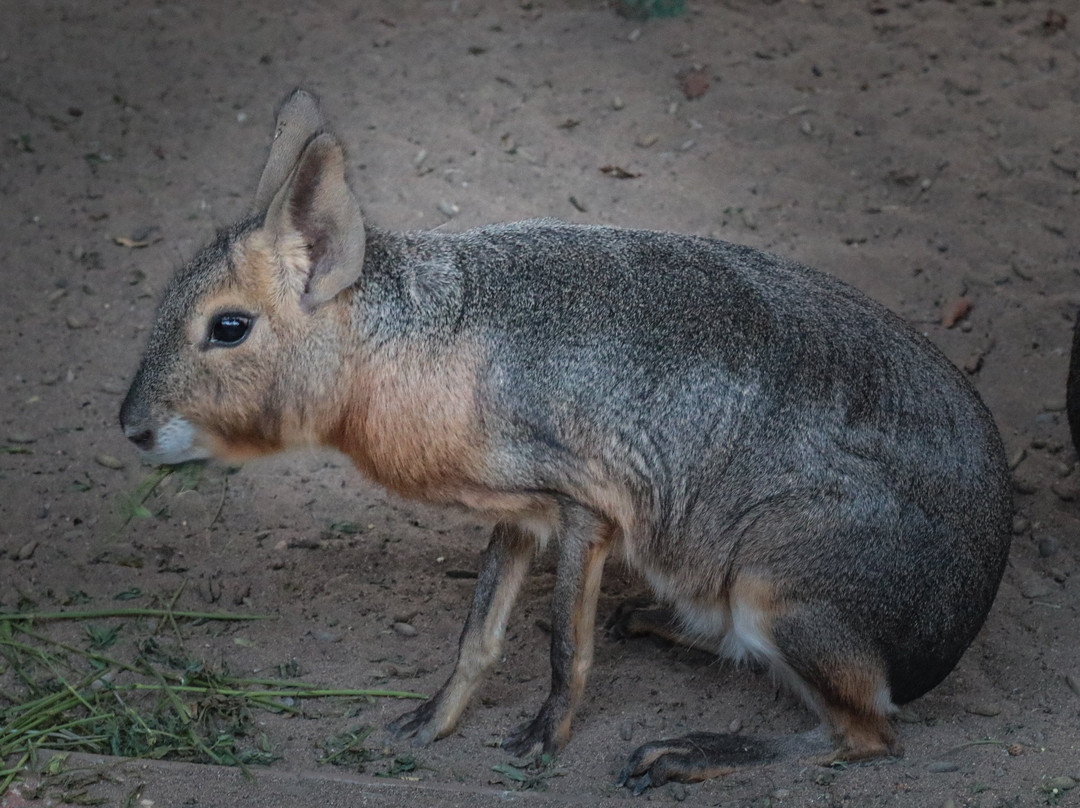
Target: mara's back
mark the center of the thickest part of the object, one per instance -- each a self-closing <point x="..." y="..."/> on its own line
<point x="761" y="414"/>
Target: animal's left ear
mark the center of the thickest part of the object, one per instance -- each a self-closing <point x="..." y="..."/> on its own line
<point x="316" y="204"/>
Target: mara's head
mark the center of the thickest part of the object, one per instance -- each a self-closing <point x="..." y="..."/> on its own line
<point x="236" y="360"/>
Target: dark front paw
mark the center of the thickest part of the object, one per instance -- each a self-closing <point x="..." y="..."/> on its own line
<point x="417" y="725"/>
<point x="547" y="734"/>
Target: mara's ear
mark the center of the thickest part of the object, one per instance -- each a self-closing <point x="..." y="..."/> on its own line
<point x="316" y="205"/>
<point x="298" y="121"/>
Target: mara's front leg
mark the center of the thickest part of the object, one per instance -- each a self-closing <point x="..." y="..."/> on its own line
<point x="583" y="544"/>
<point x="502" y="570"/>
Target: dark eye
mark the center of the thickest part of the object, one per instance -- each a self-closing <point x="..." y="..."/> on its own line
<point x="229" y="329"/>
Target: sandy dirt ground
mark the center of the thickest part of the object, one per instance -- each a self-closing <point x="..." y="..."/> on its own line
<point x="926" y="152"/>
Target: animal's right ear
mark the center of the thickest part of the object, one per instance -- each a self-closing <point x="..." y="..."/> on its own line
<point x="298" y="121"/>
<point x="315" y="208"/>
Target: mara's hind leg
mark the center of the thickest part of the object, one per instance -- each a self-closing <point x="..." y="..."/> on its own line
<point x="828" y="661"/>
<point x="820" y="657"/>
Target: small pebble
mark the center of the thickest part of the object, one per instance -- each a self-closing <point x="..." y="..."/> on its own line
<point x="1060" y="783"/>
<point x="679" y="791"/>
<point x="20" y="437"/>
<point x="1054" y="405"/>
<point x="1020" y="525"/>
<point x="27" y="550"/>
<point x="986" y="709"/>
<point x="1019" y="456"/>
<point x="402" y="670"/>
<point x="626" y="730"/>
<point x="647" y="141"/>
<point x="1048" y="545"/>
<point x="75" y="321"/>
<point x="1023" y="484"/>
<point x="1033" y="587"/>
<point x="735" y="725"/>
<point x="617" y="102"/>
<point x="1073" y="681"/>
<point x="1067" y="490"/>
<point x="327" y="636"/>
<point x="281" y="545"/>
<point x="109" y="462"/>
<point x="942" y="766"/>
<point x="448" y="209"/>
<point x="405" y="629"/>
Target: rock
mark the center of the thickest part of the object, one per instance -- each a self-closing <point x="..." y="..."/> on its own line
<point x="20" y="437"/>
<point x="76" y="321"/>
<point x="27" y="550"/>
<point x="1073" y="681"/>
<point x="617" y="103"/>
<point x="735" y="725"/>
<point x="1048" y="545"/>
<point x="109" y="462"/>
<point x="405" y="629"/>
<point x="626" y="730"/>
<point x="943" y="766"/>
<point x="1033" y="586"/>
<point x="1018" y="457"/>
<point x="647" y="141"/>
<point x="1059" y="784"/>
<point x="1067" y="490"/>
<point x="1023" y="484"/>
<point x="402" y="670"/>
<point x="1020" y="525"/>
<point x="987" y="709"/>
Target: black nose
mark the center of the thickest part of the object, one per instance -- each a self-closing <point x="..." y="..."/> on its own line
<point x="144" y="440"/>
